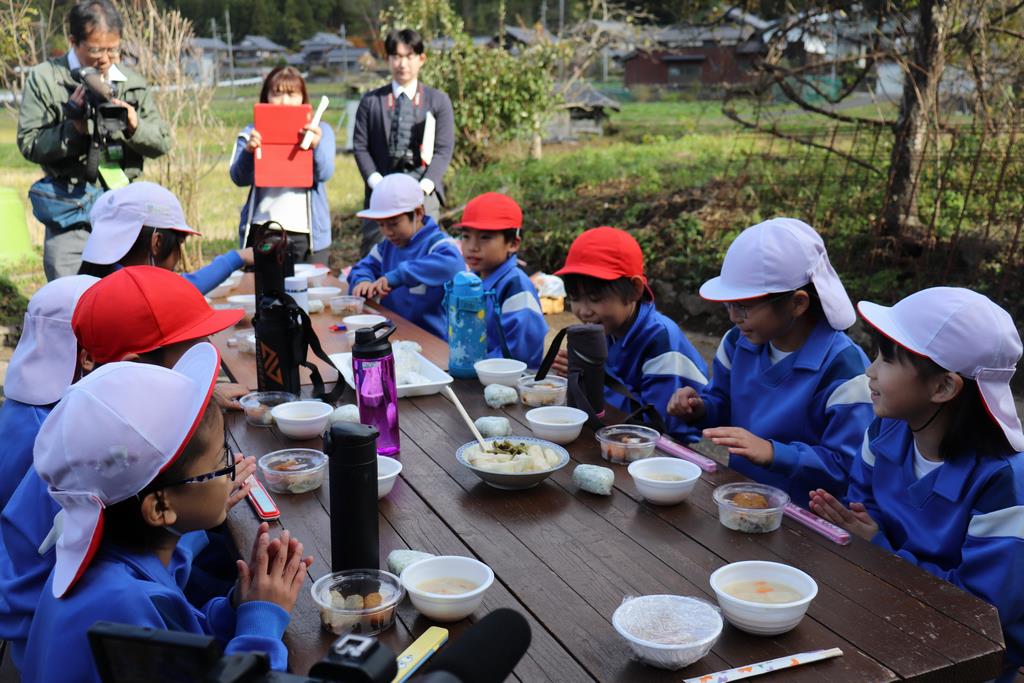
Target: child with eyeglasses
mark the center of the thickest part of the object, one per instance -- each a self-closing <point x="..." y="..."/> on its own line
<point x="788" y="396"/>
<point x="134" y="453"/>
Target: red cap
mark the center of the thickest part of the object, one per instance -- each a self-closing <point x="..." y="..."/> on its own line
<point x="141" y="308"/>
<point x="605" y="253"/>
<point x="491" y="211"/>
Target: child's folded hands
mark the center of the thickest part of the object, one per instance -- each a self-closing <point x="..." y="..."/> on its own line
<point x="854" y="519"/>
<point x="275" y="571"/>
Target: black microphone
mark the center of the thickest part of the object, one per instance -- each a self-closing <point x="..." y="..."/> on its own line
<point x="486" y="653"/>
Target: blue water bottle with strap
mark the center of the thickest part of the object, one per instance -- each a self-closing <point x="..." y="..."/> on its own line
<point x="466" y="303"/>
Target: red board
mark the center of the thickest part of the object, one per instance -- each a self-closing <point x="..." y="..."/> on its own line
<point x="281" y="163"/>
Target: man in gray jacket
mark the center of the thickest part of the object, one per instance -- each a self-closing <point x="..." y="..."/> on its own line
<point x="404" y="127"/>
<point x="54" y="132"/>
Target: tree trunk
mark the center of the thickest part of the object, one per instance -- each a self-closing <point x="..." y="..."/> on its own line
<point x="918" y="106"/>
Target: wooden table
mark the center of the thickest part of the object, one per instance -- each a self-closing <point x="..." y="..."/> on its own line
<point x="566" y="559"/>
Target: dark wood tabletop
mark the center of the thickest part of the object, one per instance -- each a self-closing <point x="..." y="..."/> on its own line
<point x="566" y="559"/>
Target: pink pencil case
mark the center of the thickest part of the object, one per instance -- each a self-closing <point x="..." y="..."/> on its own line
<point x="817" y="524"/>
<point x="680" y="451"/>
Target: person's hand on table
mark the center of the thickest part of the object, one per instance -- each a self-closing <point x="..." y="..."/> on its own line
<point x="315" y="130"/>
<point x="245" y="468"/>
<point x="742" y="443"/>
<point x="255" y="141"/>
<point x="275" y="571"/>
<point x="362" y="289"/>
<point x="560" y="366"/>
<point x="227" y="394"/>
<point x="133" y="116"/>
<point x="687" y="404"/>
<point x="854" y="519"/>
<point x="380" y="288"/>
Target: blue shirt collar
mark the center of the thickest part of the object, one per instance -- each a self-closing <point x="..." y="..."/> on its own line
<point x="510" y="264"/>
<point x="895" y="443"/>
<point x="643" y="315"/>
<point x="811" y="355"/>
<point x="174" y="575"/>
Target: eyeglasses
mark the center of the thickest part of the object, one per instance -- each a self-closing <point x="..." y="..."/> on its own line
<point x="228" y="471"/>
<point x="742" y="311"/>
<point x="100" y="51"/>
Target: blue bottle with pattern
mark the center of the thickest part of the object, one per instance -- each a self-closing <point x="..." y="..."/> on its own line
<point x="466" y="303"/>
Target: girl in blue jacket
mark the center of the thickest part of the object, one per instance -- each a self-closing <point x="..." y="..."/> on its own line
<point x="302" y="211"/>
<point x="939" y="479"/>
<point x="407" y="271"/>
<point x="135" y="454"/>
<point x="788" y="396"/>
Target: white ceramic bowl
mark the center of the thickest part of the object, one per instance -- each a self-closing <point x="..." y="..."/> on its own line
<point x="447" y="607"/>
<point x="314" y="273"/>
<point x="560" y="424"/>
<point x="505" y="371"/>
<point x="302" y="419"/>
<point x="246" y="302"/>
<point x="323" y="294"/>
<point x="508" y="481"/>
<point x="388" y="470"/>
<point x="699" y="623"/>
<point x="763" y="619"/>
<point x="354" y="322"/>
<point x="659" y="491"/>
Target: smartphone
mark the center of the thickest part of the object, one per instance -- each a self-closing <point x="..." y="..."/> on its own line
<point x="262" y="503"/>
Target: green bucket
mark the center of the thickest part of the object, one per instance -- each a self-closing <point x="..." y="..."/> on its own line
<point x="15" y="244"/>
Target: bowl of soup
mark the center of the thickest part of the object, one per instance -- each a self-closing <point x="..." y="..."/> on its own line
<point x="302" y="419"/>
<point x="763" y="598"/>
<point x="560" y="424"/>
<point x="664" y="481"/>
<point x="447" y="587"/>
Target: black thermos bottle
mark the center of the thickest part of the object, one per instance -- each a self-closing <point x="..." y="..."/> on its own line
<point x="355" y="538"/>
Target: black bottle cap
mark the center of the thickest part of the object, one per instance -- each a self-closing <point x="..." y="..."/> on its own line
<point x="351" y="439"/>
<point x="369" y="344"/>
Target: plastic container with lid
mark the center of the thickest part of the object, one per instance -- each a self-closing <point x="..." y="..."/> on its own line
<point x="750" y="507"/>
<point x="347" y="305"/>
<point x="668" y="631"/>
<point x="360" y="601"/>
<point x="258" y="404"/>
<point x="549" y="391"/>
<point x="293" y="470"/>
<point x="623" y="444"/>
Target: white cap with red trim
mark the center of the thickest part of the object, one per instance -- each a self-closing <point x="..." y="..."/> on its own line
<point x="964" y="332"/>
<point x="396" y="194"/>
<point x="776" y="256"/>
<point x="110" y="436"/>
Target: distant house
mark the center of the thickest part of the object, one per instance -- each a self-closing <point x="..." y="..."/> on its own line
<point x="586" y="112"/>
<point x="517" y="38"/>
<point x="206" y="59"/>
<point x="316" y="49"/>
<point x="689" y="56"/>
<point x="254" y="50"/>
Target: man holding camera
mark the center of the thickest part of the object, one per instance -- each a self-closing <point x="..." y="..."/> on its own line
<point x="89" y="123"/>
<point x="404" y="127"/>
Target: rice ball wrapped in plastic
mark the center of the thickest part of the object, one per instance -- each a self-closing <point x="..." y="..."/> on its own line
<point x="346" y="413"/>
<point x="498" y="395"/>
<point x="594" y="478"/>
<point x="491" y="425"/>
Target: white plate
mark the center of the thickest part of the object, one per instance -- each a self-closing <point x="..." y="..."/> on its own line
<point x="436" y="377"/>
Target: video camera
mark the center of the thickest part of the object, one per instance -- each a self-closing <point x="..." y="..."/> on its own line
<point x="486" y="653"/>
<point x="105" y="119"/>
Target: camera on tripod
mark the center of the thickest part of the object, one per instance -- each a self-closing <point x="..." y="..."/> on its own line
<point x="104" y="118"/>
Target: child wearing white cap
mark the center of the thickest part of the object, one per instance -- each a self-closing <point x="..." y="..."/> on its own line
<point x="409" y="268"/>
<point x="788" y="396"/>
<point x="43" y="365"/>
<point x="143" y="224"/>
<point x="940" y="478"/>
<point x="135" y="454"/>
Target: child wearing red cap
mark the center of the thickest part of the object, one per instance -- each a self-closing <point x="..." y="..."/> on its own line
<point x="141" y="313"/>
<point x="136" y="456"/>
<point x="647" y="352"/>
<point x="491" y="225"/>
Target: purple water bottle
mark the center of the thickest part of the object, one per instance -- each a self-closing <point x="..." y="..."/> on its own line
<point x="373" y="365"/>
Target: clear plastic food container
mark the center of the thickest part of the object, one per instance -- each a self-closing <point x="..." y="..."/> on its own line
<point x="623" y="444"/>
<point x="668" y="631"/>
<point x="749" y="507"/>
<point x="360" y="601"/>
<point x="293" y="470"/>
<point x="257" y="406"/>
<point x="549" y="391"/>
<point x="347" y="305"/>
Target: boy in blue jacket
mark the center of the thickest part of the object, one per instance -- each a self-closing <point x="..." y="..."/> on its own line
<point x="135" y="454"/>
<point x="939" y="479"/>
<point x="788" y="396"/>
<point x="409" y="268"/>
<point x="491" y="225"/>
<point x="647" y="352"/>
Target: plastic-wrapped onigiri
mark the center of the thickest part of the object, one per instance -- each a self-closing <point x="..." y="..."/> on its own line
<point x="398" y="560"/>
<point x="346" y="413"/>
<point x="490" y="425"/>
<point x="594" y="478"/>
<point x="407" y="363"/>
<point x="498" y="395"/>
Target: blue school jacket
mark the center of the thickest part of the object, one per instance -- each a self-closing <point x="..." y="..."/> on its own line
<point x="813" y="405"/>
<point x="417" y="273"/>
<point x="963" y="522"/>
<point x="137" y="589"/>
<point x="653" y="359"/>
<point x="19" y="425"/>
<point x="25" y="523"/>
<point x="519" y="316"/>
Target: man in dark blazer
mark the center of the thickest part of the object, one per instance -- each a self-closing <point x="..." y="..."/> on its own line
<point x="404" y="127"/>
